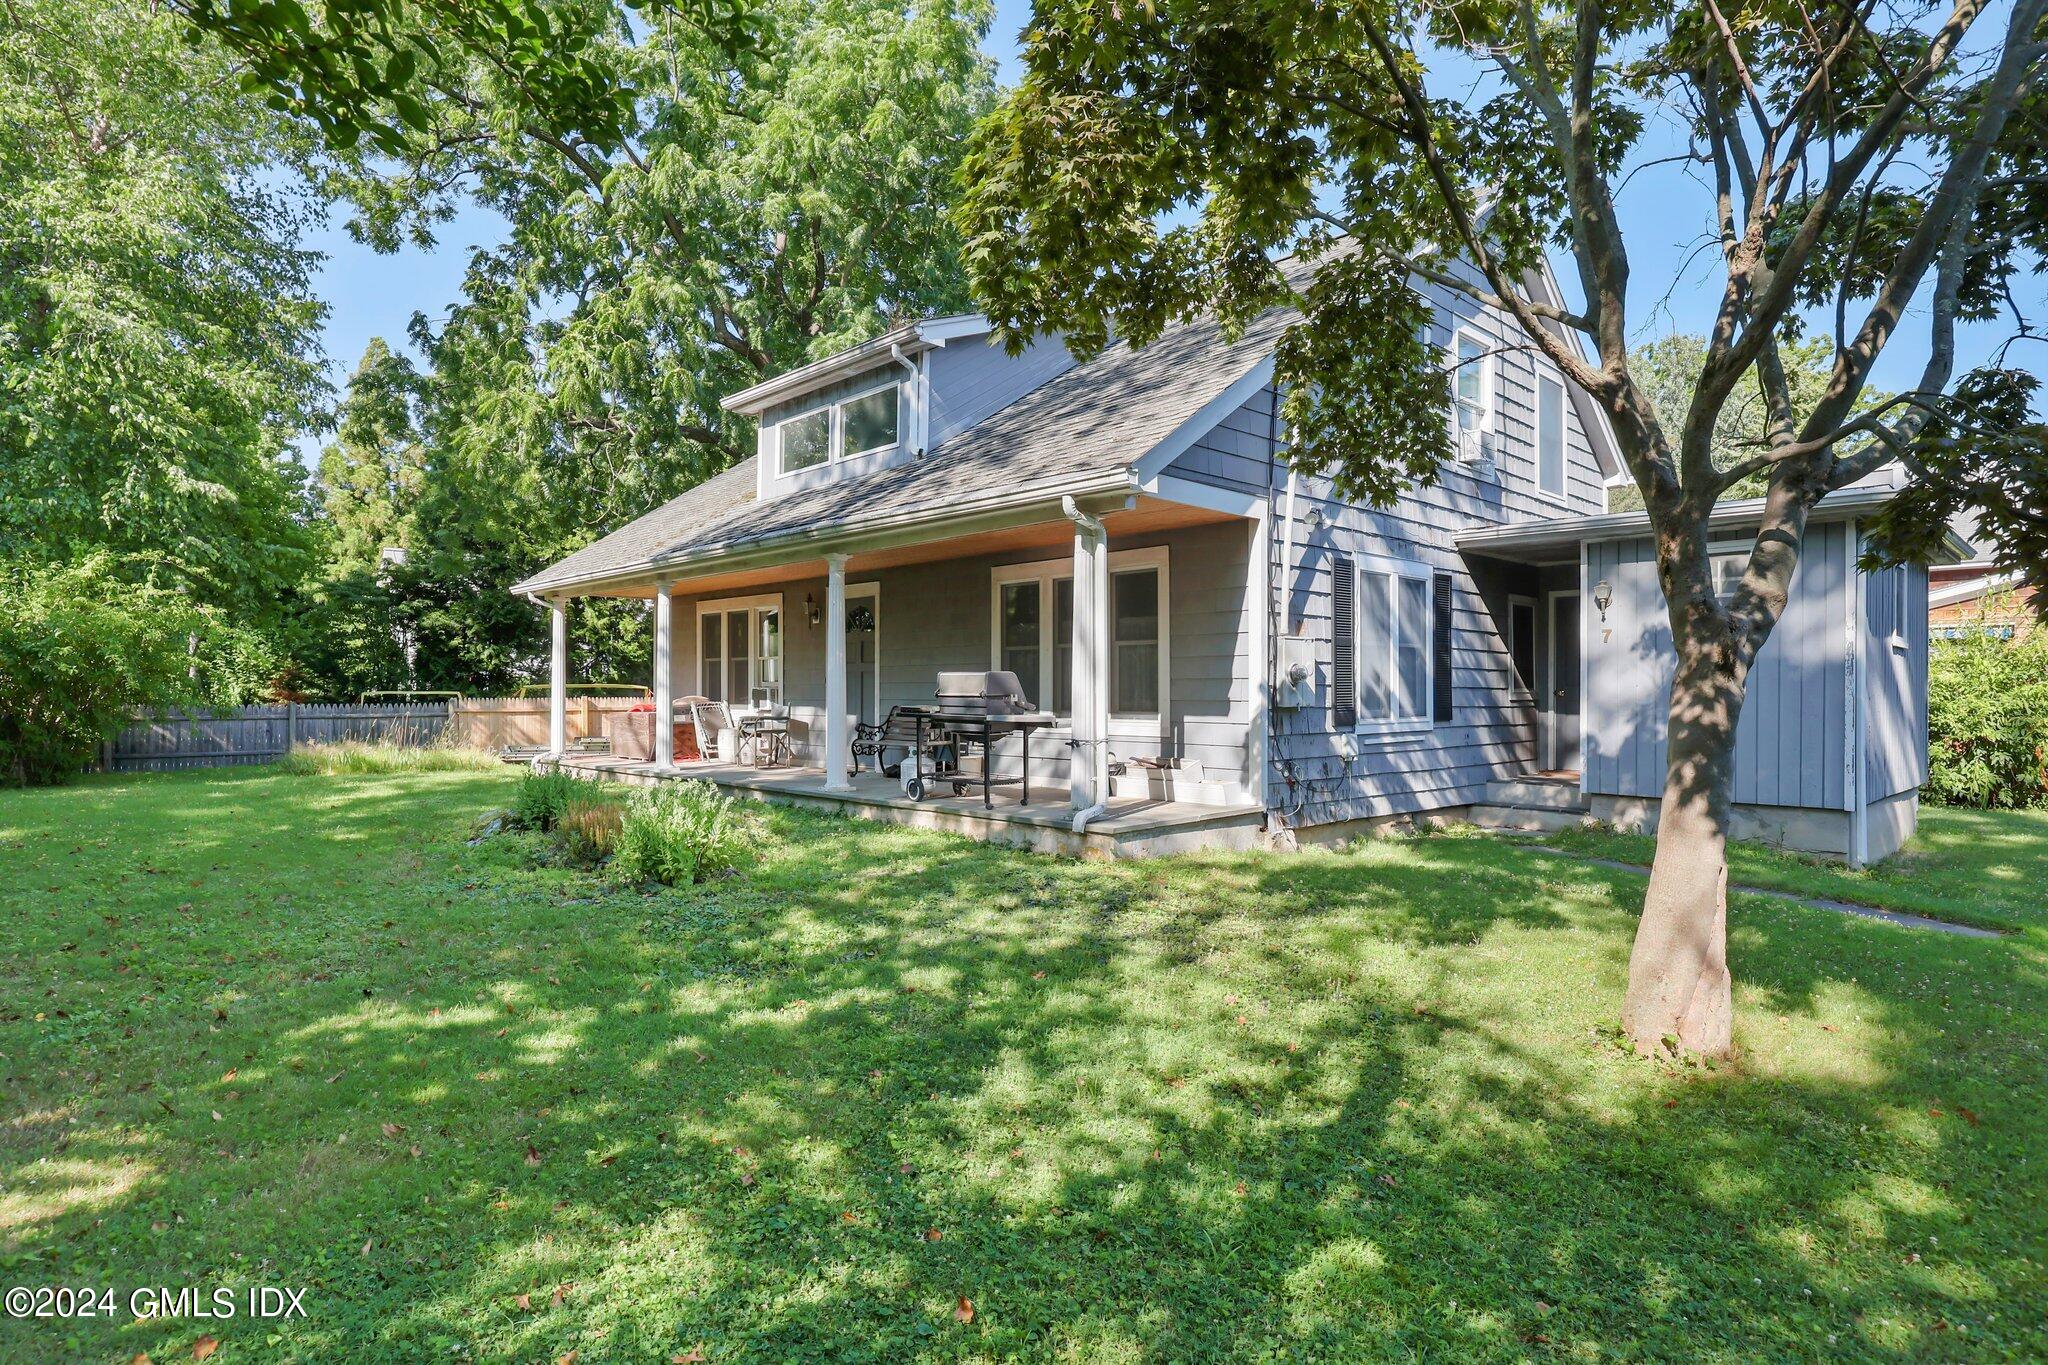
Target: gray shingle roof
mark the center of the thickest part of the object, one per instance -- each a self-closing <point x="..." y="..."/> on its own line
<point x="633" y="544"/>
<point x="1093" y="419"/>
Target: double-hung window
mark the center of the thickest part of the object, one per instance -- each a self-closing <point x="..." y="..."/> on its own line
<point x="1472" y="390"/>
<point x="1386" y="616"/>
<point x="1034" y="631"/>
<point x="860" y="424"/>
<point x="739" y="649"/>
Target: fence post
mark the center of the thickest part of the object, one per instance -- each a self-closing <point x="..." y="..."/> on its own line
<point x="291" y="727"/>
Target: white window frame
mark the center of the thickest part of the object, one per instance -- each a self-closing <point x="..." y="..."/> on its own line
<point x="835" y="440"/>
<point x="1521" y="689"/>
<point x="1901" y="589"/>
<point x="1728" y="549"/>
<point x="1049" y="572"/>
<point x="1483" y="365"/>
<point x="754" y="606"/>
<point x="1562" y="493"/>
<point x="1379" y="566"/>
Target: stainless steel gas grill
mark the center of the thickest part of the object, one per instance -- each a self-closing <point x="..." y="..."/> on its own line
<point x="974" y="711"/>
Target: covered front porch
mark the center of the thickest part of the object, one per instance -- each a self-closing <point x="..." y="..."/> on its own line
<point x="1129" y="826"/>
<point x="1133" y="621"/>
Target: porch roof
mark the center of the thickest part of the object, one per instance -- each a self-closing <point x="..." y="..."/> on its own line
<point x="1082" y="432"/>
<point x="1532" y="540"/>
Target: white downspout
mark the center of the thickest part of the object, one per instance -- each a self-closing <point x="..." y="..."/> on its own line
<point x="920" y="425"/>
<point x="1089" y="560"/>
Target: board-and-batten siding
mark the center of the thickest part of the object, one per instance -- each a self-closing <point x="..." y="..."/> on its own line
<point x="1791" y="743"/>
<point x="1894" y="683"/>
<point x="1320" y="774"/>
<point x="939" y="616"/>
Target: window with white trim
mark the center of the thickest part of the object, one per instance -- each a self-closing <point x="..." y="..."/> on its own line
<point x="1394" y="645"/>
<point x="1034" y="631"/>
<point x="739" y="649"/>
<point x="859" y="424"/>
<point x="1550" y="454"/>
<point x="1726" y="563"/>
<point x="1471" y="390"/>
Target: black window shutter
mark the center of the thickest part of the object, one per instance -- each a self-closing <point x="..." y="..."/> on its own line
<point x="1343" y="643"/>
<point x="1440" y="645"/>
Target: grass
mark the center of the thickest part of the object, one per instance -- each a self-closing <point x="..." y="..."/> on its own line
<point x="1988" y="868"/>
<point x="356" y="758"/>
<point x="265" y="1030"/>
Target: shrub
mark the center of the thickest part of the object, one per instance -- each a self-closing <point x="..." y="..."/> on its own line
<point x="1987" y="720"/>
<point x="682" y="832"/>
<point x="352" y="757"/>
<point x="587" y="831"/>
<point x="82" y="651"/>
<point x="542" y="797"/>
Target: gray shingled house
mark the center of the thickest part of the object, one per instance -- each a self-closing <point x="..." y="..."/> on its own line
<point x="1230" y="653"/>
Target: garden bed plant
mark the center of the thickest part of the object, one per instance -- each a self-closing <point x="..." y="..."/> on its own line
<point x="676" y="834"/>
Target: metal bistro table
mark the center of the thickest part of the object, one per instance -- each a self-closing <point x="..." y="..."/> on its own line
<point x="982" y="708"/>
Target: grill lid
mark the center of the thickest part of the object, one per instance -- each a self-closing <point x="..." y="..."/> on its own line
<point x="998" y="692"/>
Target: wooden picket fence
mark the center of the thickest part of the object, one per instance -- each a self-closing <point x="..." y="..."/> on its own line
<point x="262" y="734"/>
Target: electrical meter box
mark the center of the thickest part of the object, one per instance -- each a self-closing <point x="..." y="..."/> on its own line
<point x="1297" y="673"/>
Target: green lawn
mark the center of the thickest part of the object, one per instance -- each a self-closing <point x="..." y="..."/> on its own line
<point x="1988" y="868"/>
<point x="258" y="1029"/>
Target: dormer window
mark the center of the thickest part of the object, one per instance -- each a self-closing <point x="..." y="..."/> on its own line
<point x="806" y="440"/>
<point x="861" y="424"/>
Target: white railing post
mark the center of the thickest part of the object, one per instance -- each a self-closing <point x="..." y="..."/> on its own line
<point x="835" y="674"/>
<point x="664" y="694"/>
<point x="558" y="677"/>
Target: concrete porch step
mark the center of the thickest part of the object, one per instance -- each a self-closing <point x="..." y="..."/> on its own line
<point x="1538" y="793"/>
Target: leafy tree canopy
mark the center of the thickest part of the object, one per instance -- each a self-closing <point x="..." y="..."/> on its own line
<point x="767" y="205"/>
<point x="158" y="331"/>
<point x="1666" y="368"/>
<point x="355" y="67"/>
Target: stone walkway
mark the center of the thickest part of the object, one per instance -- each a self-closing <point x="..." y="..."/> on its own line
<point x="1904" y="921"/>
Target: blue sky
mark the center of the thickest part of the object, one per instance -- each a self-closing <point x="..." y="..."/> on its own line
<point x="371" y="295"/>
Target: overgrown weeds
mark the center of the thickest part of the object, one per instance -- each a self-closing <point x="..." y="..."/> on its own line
<point x="362" y="758"/>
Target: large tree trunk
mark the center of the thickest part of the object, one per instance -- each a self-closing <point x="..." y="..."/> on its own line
<point x="1679" y="992"/>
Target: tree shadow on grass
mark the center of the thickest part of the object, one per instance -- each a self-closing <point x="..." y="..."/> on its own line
<point x="1206" y="1108"/>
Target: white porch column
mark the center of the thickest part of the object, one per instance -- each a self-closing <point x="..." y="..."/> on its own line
<point x="1090" y="681"/>
<point x="664" y="692"/>
<point x="558" y="677"/>
<point x="1098" y="648"/>
<point x="835" y="675"/>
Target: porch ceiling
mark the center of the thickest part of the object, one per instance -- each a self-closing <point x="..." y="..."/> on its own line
<point x="1149" y="514"/>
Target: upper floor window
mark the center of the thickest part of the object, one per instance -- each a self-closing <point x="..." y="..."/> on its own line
<point x="1472" y="385"/>
<point x="857" y="425"/>
<point x="1550" y="467"/>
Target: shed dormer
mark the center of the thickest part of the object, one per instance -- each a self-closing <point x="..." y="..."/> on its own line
<point x="889" y="401"/>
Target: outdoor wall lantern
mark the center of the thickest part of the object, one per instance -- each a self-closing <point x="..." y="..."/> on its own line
<point x="1603" y="594"/>
<point x="812" y="611"/>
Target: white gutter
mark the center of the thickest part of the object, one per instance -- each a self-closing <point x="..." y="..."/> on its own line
<point x="1091" y="526"/>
